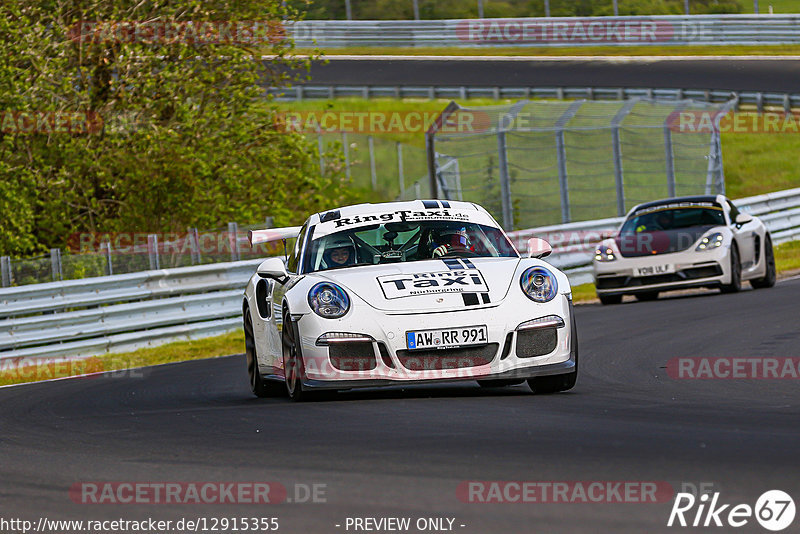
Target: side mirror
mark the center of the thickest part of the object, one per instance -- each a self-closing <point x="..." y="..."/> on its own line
<point x="743" y="218"/>
<point x="272" y="268"/>
<point x="538" y="248"/>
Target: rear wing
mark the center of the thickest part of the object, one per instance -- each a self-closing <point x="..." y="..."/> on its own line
<point x="272" y="234"/>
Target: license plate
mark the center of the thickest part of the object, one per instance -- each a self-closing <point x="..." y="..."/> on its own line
<point x="447" y="338"/>
<point x="655" y="269"/>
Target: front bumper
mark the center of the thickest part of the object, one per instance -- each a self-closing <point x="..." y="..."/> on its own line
<point x="692" y="269"/>
<point x="394" y="364"/>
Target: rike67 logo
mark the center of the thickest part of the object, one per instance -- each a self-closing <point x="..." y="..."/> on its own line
<point x="774" y="510"/>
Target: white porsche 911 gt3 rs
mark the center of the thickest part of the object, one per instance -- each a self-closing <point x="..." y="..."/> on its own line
<point x="406" y="292"/>
<point x="678" y="243"/>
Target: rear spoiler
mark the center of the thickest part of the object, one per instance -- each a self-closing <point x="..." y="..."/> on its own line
<point x="272" y="234"/>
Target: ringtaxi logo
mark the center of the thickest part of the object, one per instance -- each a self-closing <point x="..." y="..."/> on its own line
<point x="774" y="510"/>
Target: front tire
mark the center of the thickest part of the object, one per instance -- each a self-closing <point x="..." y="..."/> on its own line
<point x="258" y="385"/>
<point x="771" y="275"/>
<point x="293" y="365"/>
<point x="736" y="273"/>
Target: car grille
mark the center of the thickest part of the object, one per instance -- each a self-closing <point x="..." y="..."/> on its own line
<point x="536" y="342"/>
<point x="693" y="273"/>
<point x="352" y="356"/>
<point x="443" y="359"/>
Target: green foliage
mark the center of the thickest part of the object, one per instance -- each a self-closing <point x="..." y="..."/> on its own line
<point x="186" y="137"/>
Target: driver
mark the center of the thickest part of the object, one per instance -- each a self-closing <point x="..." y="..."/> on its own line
<point x="664" y="220"/>
<point x="450" y="240"/>
<point x="340" y="253"/>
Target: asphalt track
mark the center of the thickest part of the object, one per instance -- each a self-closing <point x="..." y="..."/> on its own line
<point x="404" y="452"/>
<point x="735" y="74"/>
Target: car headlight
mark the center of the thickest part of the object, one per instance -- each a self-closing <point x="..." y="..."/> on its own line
<point x="710" y="242"/>
<point x="328" y="300"/>
<point x="539" y="284"/>
<point x="604" y="254"/>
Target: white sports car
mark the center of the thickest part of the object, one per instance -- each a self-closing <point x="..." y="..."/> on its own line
<point x="677" y="243"/>
<point x="406" y="292"/>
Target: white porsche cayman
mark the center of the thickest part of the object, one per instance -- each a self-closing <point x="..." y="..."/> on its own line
<point x="676" y="243"/>
<point x="406" y="292"/>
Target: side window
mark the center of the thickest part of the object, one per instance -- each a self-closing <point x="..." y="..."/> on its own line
<point x="294" y="257"/>
<point x="734" y="211"/>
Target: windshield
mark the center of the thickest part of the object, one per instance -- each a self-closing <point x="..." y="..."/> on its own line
<point x="397" y="242"/>
<point x="665" y="218"/>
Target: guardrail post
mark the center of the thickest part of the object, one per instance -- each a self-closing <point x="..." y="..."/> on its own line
<point x="372" y="171"/>
<point x="152" y="251"/>
<point x="55" y="263"/>
<point x="416" y="9"/>
<point x="417" y="190"/>
<point x="5" y="269"/>
<point x="233" y="240"/>
<point x="400" y="173"/>
<point x="105" y="249"/>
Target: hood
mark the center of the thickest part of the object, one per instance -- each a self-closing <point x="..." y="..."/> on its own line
<point x="430" y="285"/>
<point x="652" y="243"/>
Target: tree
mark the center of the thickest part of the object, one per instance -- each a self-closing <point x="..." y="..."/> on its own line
<point x="171" y="126"/>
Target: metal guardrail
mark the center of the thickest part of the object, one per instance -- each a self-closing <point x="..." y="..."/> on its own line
<point x="759" y="100"/>
<point x="574" y="243"/>
<point x="81" y="318"/>
<point x="550" y="32"/>
<point x="124" y="312"/>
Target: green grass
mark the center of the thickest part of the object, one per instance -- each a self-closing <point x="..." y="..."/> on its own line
<point x="778" y="6"/>
<point x="210" y="347"/>
<point x="689" y="50"/>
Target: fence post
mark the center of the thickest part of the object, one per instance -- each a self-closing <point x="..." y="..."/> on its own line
<point x="417" y="190"/>
<point x="194" y="245"/>
<point x="372" y="171"/>
<point x="505" y="185"/>
<point x="547" y="8"/>
<point x="348" y="10"/>
<point x="480" y="9"/>
<point x="321" y="149"/>
<point x="619" y="178"/>
<point x="152" y="251"/>
<point x="346" y="148"/>
<point x="416" y="9"/>
<point x="400" y="172"/>
<point x="670" y="161"/>
<point x="105" y="248"/>
<point x="55" y="263"/>
<point x="561" y="154"/>
<point x="5" y="268"/>
<point x="233" y="240"/>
